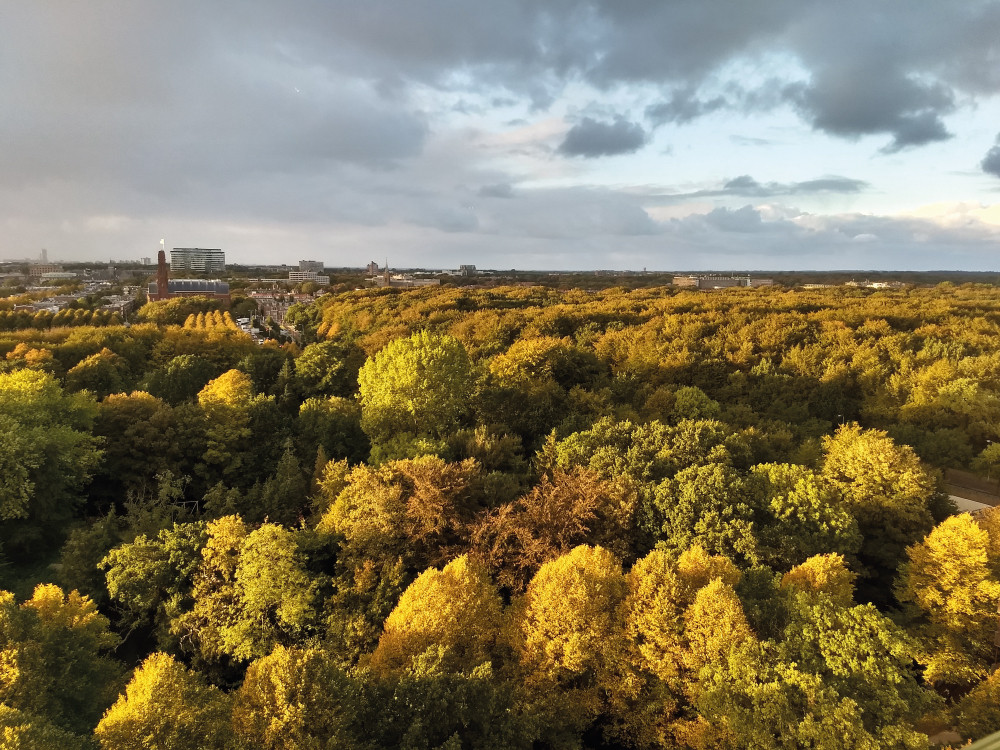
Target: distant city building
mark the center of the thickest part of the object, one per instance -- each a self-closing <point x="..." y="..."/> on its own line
<point x="316" y="266"/>
<point x="718" y="281"/>
<point x="372" y="268"/>
<point x="467" y="270"/>
<point x="37" y="270"/>
<point x="197" y="260"/>
<point x="275" y="306"/>
<point x="166" y="288"/>
<point x="57" y="275"/>
<point x="296" y="277"/>
<point x="403" y="281"/>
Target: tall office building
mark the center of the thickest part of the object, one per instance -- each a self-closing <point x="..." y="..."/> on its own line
<point x="197" y="260"/>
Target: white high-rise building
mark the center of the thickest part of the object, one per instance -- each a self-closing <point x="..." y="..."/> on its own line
<point x="197" y="260"/>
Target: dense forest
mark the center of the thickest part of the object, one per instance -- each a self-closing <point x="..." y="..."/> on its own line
<point x="516" y="517"/>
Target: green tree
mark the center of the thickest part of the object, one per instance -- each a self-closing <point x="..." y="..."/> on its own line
<point x="181" y="378"/>
<point x="252" y="591"/>
<point x="711" y="506"/>
<point x="333" y="424"/>
<point x="328" y="368"/>
<point x="151" y="579"/>
<point x="805" y="516"/>
<point x="47" y="455"/>
<point x="139" y="434"/>
<point x="418" y="386"/>
<point x="22" y="731"/>
<point x="840" y="677"/>
<point x="102" y="374"/>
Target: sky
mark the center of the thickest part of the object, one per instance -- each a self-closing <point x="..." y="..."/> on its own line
<point x="529" y="134"/>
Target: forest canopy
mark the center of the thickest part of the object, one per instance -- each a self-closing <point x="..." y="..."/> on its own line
<point x="513" y="517"/>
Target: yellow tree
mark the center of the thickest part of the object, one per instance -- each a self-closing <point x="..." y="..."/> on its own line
<point x="886" y="490"/>
<point x="566" y="633"/>
<point x="53" y="660"/>
<point x="168" y="707"/>
<point x="228" y="403"/>
<point x="825" y="574"/>
<point x="714" y="626"/>
<point x="457" y="609"/>
<point x="948" y="580"/>
<point x="295" y="699"/>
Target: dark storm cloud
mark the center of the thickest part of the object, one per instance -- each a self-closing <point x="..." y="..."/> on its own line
<point x="991" y="162"/>
<point x="590" y="138"/>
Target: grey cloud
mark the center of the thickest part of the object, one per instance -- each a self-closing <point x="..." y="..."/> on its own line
<point x="887" y="102"/>
<point x="568" y="213"/>
<point x="498" y="190"/>
<point x="746" y="186"/>
<point x="991" y="162"/>
<point x="743" y="220"/>
<point x="683" y="107"/>
<point x="590" y="138"/>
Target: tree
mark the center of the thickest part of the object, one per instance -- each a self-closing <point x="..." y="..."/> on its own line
<point x="949" y="581"/>
<point x="23" y="731"/>
<point x="886" y="490"/>
<point x="328" y="368"/>
<point x="806" y="516"/>
<point x="417" y="386"/>
<point x="166" y="706"/>
<point x="456" y="609"/>
<point x="53" y="658"/>
<point x="565" y="510"/>
<point x="295" y="699"/>
<point x="151" y="579"/>
<point x="139" y="433"/>
<point x="714" y="626"/>
<point x="181" y="378"/>
<point x="567" y="629"/>
<point x="839" y="677"/>
<point x="419" y="509"/>
<point x="230" y="408"/>
<point x="251" y="592"/>
<point x="47" y="455"/>
<point x="822" y="574"/>
<point x="712" y="507"/>
<point x="333" y="424"/>
<point x="102" y="374"/>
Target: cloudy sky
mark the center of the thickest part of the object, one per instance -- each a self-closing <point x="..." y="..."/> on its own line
<point x="549" y="134"/>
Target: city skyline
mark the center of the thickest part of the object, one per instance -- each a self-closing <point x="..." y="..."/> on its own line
<point x="549" y="135"/>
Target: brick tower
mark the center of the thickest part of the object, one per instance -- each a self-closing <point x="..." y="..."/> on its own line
<point x="162" y="277"/>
